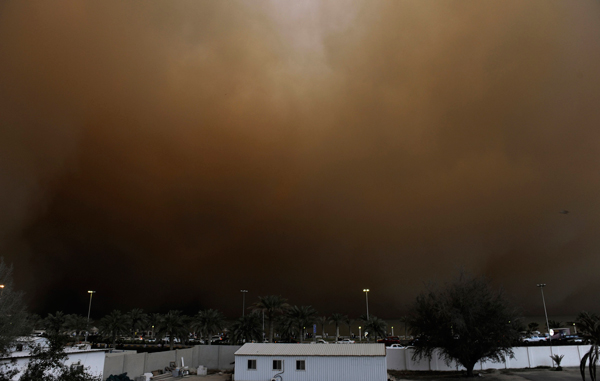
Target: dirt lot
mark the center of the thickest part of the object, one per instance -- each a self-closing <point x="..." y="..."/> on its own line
<point x="537" y="374"/>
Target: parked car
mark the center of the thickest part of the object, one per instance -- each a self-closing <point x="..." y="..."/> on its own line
<point x="390" y="340"/>
<point x="534" y="339"/>
<point x="345" y="341"/>
<point x="571" y="339"/>
<point x="319" y="341"/>
<point x="397" y="346"/>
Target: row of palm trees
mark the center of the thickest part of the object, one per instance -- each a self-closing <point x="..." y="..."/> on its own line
<point x="289" y="322"/>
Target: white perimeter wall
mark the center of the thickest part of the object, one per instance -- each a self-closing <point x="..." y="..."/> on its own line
<point x="525" y="357"/>
<point x="330" y="368"/>
<point x="136" y="364"/>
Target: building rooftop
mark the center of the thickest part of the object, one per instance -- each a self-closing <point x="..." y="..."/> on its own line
<point x="257" y="349"/>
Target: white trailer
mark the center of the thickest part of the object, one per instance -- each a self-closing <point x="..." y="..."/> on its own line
<point x="311" y="362"/>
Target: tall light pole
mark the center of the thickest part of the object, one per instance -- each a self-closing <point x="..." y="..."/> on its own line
<point x="541" y="286"/>
<point x="366" y="291"/>
<point x="87" y="327"/>
<point x="243" y="301"/>
<point x="1" y="288"/>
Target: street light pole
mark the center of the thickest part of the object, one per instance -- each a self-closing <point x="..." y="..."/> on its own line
<point x="366" y="291"/>
<point x="243" y="301"/>
<point x="541" y="286"/>
<point x="87" y="326"/>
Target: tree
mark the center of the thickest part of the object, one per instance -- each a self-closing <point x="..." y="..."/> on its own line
<point x="375" y="327"/>
<point x="207" y="322"/>
<point x="589" y="329"/>
<point x="322" y="320"/>
<point x="113" y="325"/>
<point x="137" y="320"/>
<point x="337" y="319"/>
<point x="47" y="363"/>
<point x="554" y="324"/>
<point x="173" y="324"/>
<point x="349" y="323"/>
<point x="14" y="320"/>
<point x="302" y="316"/>
<point x="246" y="329"/>
<point x="467" y="321"/>
<point x="533" y="326"/>
<point x="272" y="306"/>
<point x="75" y="324"/>
<point x="55" y="324"/>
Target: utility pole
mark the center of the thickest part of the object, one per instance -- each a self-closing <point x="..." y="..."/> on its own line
<point x="243" y="301"/>
<point x="87" y="327"/>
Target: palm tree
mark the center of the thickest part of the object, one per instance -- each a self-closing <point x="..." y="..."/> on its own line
<point x="349" y="322"/>
<point x="55" y="324"/>
<point x="302" y="316"/>
<point x="286" y="327"/>
<point x="271" y="305"/>
<point x="75" y="323"/>
<point x="375" y="327"/>
<point x="322" y="320"/>
<point x="137" y="320"/>
<point x="208" y="322"/>
<point x="337" y="319"/>
<point x="247" y="328"/>
<point x="152" y="322"/>
<point x="589" y="327"/>
<point x="172" y="324"/>
<point x="113" y="325"/>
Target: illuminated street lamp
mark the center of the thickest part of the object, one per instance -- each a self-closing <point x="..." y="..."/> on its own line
<point x="359" y="333"/>
<point x="87" y="327"/>
<point x="243" y="301"/>
<point x="392" y="330"/>
<point x="366" y="291"/>
<point x="541" y="286"/>
<point x="1" y="288"/>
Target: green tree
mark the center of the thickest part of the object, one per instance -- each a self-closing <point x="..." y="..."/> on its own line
<point x="322" y="320"/>
<point x="467" y="321"/>
<point x="137" y="320"/>
<point x="75" y="324"/>
<point x="349" y="323"/>
<point x="302" y="316"/>
<point x="55" y="324"/>
<point x="337" y="319"/>
<point x="113" y="325"/>
<point x="375" y="327"/>
<point x="208" y="322"/>
<point x="589" y="329"/>
<point x="246" y="329"/>
<point x="14" y="320"/>
<point x="533" y="326"/>
<point x="554" y="324"/>
<point x="272" y="306"/>
<point x="174" y="325"/>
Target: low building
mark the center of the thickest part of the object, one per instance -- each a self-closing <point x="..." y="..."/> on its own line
<point x="304" y="362"/>
<point x="92" y="360"/>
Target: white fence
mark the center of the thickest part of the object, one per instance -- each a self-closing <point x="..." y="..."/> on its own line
<point x="525" y="357"/>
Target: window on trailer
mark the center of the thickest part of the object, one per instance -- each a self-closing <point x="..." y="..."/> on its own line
<point x="252" y="364"/>
<point x="300" y="365"/>
<point x="277" y="364"/>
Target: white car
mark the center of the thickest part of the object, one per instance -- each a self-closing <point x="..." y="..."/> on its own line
<point x="346" y="341"/>
<point x="396" y="346"/>
<point x="534" y="339"/>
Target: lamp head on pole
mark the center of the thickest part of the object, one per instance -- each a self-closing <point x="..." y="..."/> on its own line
<point x="541" y="284"/>
<point x="1" y="286"/>
<point x="91" y="292"/>
<point x="243" y="290"/>
<point x="365" y="290"/>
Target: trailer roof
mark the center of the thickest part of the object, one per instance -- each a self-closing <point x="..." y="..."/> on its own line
<point x="258" y="349"/>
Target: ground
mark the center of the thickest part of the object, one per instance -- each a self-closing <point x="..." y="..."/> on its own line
<point x="536" y="374"/>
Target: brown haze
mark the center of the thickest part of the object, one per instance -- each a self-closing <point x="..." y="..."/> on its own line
<point x="168" y="154"/>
